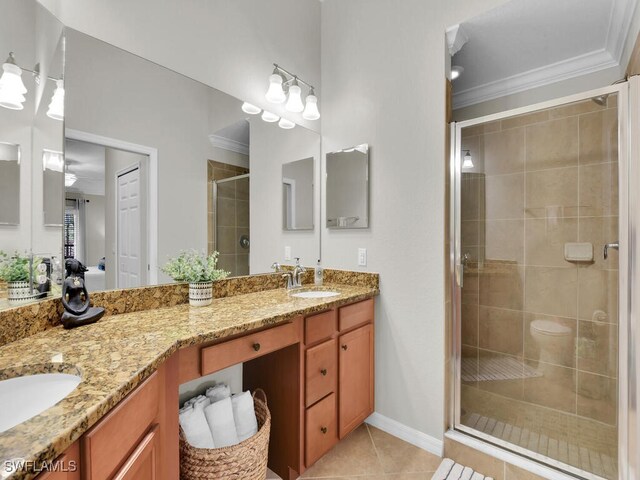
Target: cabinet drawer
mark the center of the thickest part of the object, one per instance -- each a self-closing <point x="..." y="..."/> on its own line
<point x="319" y="327"/>
<point x="248" y="347"/>
<point x="106" y="446"/>
<point x="322" y="429"/>
<point x="321" y="371"/>
<point x="142" y="464"/>
<point x="356" y="314"/>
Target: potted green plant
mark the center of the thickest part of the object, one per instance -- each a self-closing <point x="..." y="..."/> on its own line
<point x="199" y="270"/>
<point x="16" y="271"/>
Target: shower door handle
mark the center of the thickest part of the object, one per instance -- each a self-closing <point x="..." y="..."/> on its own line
<point x="607" y="246"/>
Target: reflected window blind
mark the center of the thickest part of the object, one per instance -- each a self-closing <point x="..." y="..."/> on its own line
<point x="70" y="225"/>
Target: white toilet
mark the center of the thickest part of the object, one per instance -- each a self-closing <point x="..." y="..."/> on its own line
<point x="555" y="341"/>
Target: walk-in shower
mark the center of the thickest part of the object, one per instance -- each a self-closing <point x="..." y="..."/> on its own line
<point x="539" y="282"/>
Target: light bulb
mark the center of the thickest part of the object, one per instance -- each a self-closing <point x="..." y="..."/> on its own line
<point x="270" y="117"/>
<point x="311" y="111"/>
<point x="286" y="124"/>
<point x="275" y="93"/>
<point x="12" y="89"/>
<point x="294" y="103"/>
<point x="53" y="161"/>
<point x="250" y="109"/>
<point x="56" y="107"/>
<point x="456" y="71"/>
<point x="468" y="161"/>
<point x="69" y="179"/>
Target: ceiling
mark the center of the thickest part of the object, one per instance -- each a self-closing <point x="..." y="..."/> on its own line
<point x="525" y="44"/>
<point x="87" y="162"/>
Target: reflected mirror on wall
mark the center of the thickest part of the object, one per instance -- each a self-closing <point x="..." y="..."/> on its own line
<point x="53" y="183"/>
<point x="297" y="195"/>
<point x="348" y="188"/>
<point x="9" y="184"/>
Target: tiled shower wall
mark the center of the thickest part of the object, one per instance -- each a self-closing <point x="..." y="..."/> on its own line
<point x="539" y="181"/>
<point x="232" y="217"/>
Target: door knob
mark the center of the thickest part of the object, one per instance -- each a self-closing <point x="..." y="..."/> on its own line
<point x="323" y="372"/>
<point x="607" y="246"/>
<point x="256" y="346"/>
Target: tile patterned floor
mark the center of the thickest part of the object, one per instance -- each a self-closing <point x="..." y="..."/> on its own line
<point x="371" y="454"/>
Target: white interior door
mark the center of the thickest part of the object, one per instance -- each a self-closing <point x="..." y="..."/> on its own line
<point x="128" y="228"/>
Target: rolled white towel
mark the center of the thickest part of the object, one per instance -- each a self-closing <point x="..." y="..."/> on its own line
<point x="219" y="416"/>
<point x="244" y="415"/>
<point x="197" y="399"/>
<point x="195" y="426"/>
<point x="218" y="392"/>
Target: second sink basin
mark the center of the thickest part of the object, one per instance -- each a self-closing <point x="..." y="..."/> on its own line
<point x="315" y="294"/>
<point x="22" y="398"/>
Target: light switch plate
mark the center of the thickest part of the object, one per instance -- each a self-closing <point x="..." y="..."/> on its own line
<point x="287" y="253"/>
<point x="362" y="257"/>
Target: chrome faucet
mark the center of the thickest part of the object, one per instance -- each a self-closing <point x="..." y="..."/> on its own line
<point x="275" y="266"/>
<point x="296" y="276"/>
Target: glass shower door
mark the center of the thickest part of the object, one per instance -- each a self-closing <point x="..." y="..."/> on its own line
<point x="537" y="318"/>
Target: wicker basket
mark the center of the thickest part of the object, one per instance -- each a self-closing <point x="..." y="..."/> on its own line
<point x="245" y="461"/>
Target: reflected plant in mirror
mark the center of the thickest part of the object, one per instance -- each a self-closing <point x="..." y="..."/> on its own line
<point x="347" y="200"/>
<point x="17" y="271"/>
<point x="297" y="195"/>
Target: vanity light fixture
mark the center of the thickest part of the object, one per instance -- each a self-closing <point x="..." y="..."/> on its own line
<point x="456" y="71"/>
<point x="56" y="107"/>
<point x="286" y="124"/>
<point x="270" y="117"/>
<point x="250" y="109"/>
<point x="12" y="88"/>
<point x="284" y="85"/>
<point x="468" y="161"/>
<point x="311" y="111"/>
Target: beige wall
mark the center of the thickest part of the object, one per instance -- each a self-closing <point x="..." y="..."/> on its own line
<point x="549" y="178"/>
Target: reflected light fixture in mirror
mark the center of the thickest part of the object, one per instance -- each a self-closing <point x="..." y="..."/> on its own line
<point x="53" y="161"/>
<point x="56" y="107"/>
<point x="286" y="124"/>
<point x="456" y="71"/>
<point x="270" y="117"/>
<point x="12" y="88"/>
<point x="69" y="179"/>
<point x="468" y="161"/>
<point x="250" y="109"/>
<point x="275" y="93"/>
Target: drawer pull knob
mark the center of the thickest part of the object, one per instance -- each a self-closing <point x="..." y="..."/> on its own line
<point x="345" y="347"/>
<point x="256" y="346"/>
<point x="323" y="372"/>
<point x="323" y="429"/>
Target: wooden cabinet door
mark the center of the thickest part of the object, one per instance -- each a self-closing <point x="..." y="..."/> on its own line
<point x="355" y="383"/>
<point x="143" y="462"/>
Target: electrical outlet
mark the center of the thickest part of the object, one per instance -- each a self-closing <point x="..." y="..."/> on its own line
<point x="362" y="257"/>
<point x="287" y="253"/>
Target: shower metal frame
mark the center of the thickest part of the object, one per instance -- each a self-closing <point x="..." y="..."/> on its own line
<point x="215" y="202"/>
<point x="628" y="288"/>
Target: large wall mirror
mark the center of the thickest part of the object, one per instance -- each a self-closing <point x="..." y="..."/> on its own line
<point x="297" y="194"/>
<point x="188" y="165"/>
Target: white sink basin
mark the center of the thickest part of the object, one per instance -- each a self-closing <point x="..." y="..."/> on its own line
<point x="22" y="398"/>
<point x="315" y="294"/>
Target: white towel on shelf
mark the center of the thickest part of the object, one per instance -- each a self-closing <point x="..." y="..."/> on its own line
<point x="219" y="416"/>
<point x="197" y="399"/>
<point x="195" y="426"/>
<point x="244" y="415"/>
<point x="218" y="392"/>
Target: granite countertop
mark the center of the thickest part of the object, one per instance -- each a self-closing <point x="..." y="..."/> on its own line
<point x="119" y="352"/>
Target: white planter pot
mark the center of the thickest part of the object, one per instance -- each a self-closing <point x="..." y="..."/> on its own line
<point x="200" y="294"/>
<point x="19" y="293"/>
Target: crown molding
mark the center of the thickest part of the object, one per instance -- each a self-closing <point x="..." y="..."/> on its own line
<point x="228" y="144"/>
<point x="573" y="67"/>
<point x="619" y="26"/>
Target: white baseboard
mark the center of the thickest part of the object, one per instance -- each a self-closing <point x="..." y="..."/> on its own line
<point x="408" y="434"/>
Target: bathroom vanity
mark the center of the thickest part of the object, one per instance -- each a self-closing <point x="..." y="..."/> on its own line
<point x="313" y="357"/>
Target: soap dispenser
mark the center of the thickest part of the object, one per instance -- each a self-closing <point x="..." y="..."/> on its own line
<point x="318" y="273"/>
